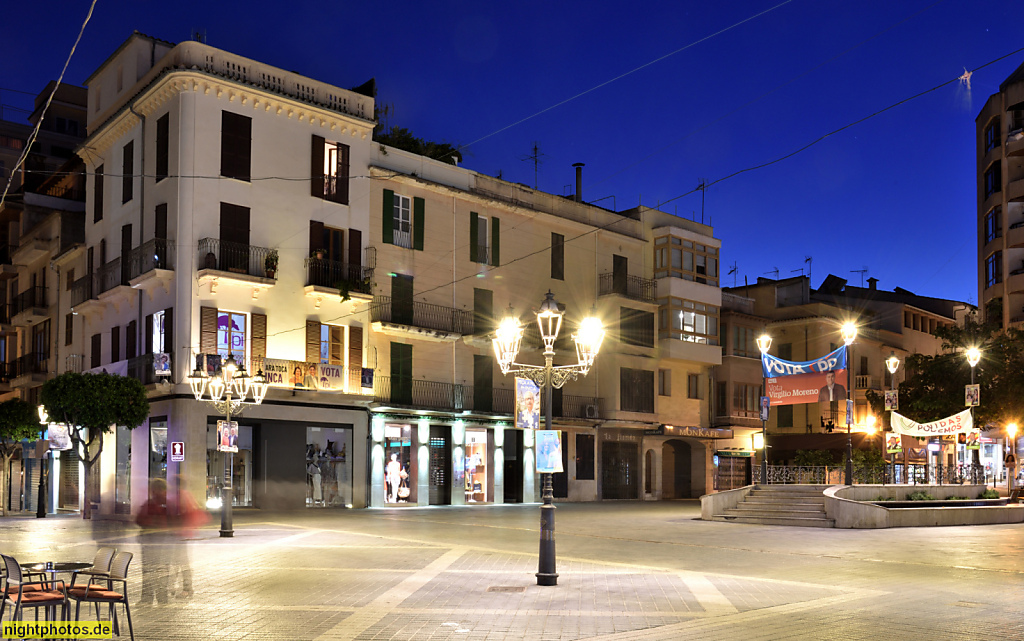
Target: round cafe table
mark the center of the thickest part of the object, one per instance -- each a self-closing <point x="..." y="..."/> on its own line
<point x="52" y="568"/>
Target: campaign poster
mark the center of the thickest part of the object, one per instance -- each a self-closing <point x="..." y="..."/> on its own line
<point x="973" y="440"/>
<point x="366" y="380"/>
<point x="162" y="364"/>
<point x="549" y="451"/>
<point x="227" y="436"/>
<point x="893" y="443"/>
<point x="317" y="377"/>
<point x="972" y="395"/>
<point x="892" y="400"/>
<point x="765" y="405"/>
<point x="59" y="436"/>
<point x="527" y="404"/>
<point x="796" y="382"/>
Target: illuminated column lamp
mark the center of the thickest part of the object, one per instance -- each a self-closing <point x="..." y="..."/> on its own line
<point x="849" y="334"/>
<point x="764" y="342"/>
<point x="1011" y="433"/>
<point x="892" y="364"/>
<point x="973" y="358"/>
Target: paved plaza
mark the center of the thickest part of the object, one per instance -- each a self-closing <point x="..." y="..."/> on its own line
<point x="626" y="571"/>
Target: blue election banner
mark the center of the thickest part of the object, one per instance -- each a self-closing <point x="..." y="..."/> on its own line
<point x="774" y="367"/>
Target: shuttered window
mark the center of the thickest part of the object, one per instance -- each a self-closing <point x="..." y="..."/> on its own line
<point x="208" y="330"/>
<point x="329" y="169"/>
<point x="95" y="358"/>
<point x="355" y="357"/>
<point x="235" y="146"/>
<point x="131" y="335"/>
<point x="97" y="195"/>
<point x="401" y="374"/>
<point x="69" y="332"/>
<point x="312" y="341"/>
<point x="162" y="143"/>
<point x="127" y="169"/>
<point x="160" y="227"/>
<point x="115" y="344"/>
<point x="258" y="349"/>
<point x="636" y="390"/>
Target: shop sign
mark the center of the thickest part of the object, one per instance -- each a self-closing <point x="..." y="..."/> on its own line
<point x="177" y="452"/>
<point x="693" y="432"/>
<point x="734" y="453"/>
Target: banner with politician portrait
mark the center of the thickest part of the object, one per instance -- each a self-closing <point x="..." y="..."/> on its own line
<point x="317" y="377"/>
<point x="796" y="382"/>
<point x="549" y="451"/>
<point x="227" y="436"/>
<point x="527" y="404"/>
<point x="893" y="443"/>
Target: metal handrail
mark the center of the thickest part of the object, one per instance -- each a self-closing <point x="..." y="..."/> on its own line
<point x="32" y="297"/>
<point x="424" y="315"/>
<point x="239" y="258"/>
<point x="331" y="273"/>
<point x="632" y="287"/>
<point x="157" y="253"/>
<point x="110" y="276"/>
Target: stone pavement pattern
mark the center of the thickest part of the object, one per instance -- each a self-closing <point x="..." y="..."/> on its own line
<point x="627" y="571"/>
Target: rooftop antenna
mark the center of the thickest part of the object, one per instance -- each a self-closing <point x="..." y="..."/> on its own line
<point x="535" y="157"/>
<point x="861" y="272"/>
<point x="199" y="35"/>
<point x="732" y="271"/>
<point x="703" y="187"/>
<point x="774" y="271"/>
<point x="793" y="271"/>
<point x="808" y="260"/>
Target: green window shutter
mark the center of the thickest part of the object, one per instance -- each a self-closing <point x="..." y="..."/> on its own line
<point x="474" y="223"/>
<point x="388" y="217"/>
<point x="495" y="242"/>
<point x="417" y="223"/>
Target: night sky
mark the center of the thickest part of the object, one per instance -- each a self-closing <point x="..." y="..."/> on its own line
<point x="895" y="194"/>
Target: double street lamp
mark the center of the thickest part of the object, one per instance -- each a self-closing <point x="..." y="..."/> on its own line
<point x="228" y="391"/>
<point x="507" y="341"/>
<point x="849" y="333"/>
<point x="763" y="343"/>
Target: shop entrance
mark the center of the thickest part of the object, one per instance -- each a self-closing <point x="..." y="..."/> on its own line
<point x="513" y="466"/>
<point x="732" y="472"/>
<point x="676" y="470"/>
<point x="560" y="481"/>
<point x="620" y="465"/>
<point x="440" y="465"/>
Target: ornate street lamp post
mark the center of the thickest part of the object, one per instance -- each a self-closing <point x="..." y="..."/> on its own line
<point x="849" y="333"/>
<point x="228" y="391"/>
<point x="1011" y="465"/>
<point x="507" y="340"/>
<point x="763" y="343"/>
<point x="973" y="358"/>
<point x="892" y="364"/>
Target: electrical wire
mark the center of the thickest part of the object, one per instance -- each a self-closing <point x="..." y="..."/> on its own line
<point x="42" y="116"/>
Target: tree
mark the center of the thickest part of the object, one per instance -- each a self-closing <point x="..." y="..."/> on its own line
<point x="18" y="420"/>
<point x="402" y="138"/>
<point x="91" y="405"/>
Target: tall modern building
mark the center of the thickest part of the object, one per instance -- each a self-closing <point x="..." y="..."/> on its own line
<point x="1000" y="153"/>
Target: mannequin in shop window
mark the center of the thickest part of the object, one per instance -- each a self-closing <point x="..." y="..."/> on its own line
<point x="393" y="475"/>
<point x="314" y="474"/>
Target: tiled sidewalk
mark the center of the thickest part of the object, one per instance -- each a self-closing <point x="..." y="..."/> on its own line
<point x="627" y="571"/>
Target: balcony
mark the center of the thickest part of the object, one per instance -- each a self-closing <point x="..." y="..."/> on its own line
<point x="151" y="264"/>
<point x="1015" y="235"/>
<point x="31" y="249"/>
<point x="141" y="369"/>
<point x="332" y="278"/>
<point x="74" y="363"/>
<point x="632" y="287"/>
<point x="864" y="381"/>
<point x="7" y="268"/>
<point x="230" y="263"/>
<point x="421" y="319"/>
<point x="30" y="369"/>
<point x="82" y="291"/>
<point x="29" y="307"/>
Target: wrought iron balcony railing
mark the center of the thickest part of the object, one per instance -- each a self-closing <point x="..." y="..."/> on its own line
<point x="157" y="253"/>
<point x="110" y="276"/>
<point x="425" y="315"/>
<point x="331" y="273"/>
<point x="234" y="257"/>
<point x="82" y="290"/>
<point x="632" y="287"/>
<point x="33" y="297"/>
<point x="31" y="363"/>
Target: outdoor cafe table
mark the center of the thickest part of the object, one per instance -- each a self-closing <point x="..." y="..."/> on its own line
<point x="53" y="568"/>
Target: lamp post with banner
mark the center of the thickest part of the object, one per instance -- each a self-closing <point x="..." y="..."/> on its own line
<point x="849" y="334"/>
<point x="1010" y="462"/>
<point x="892" y="364"/>
<point x="507" y="340"/>
<point x="764" y="342"/>
<point x="228" y="392"/>
<point x="973" y="358"/>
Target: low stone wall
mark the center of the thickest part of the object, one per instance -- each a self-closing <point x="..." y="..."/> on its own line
<point x="718" y="502"/>
<point x="848" y="506"/>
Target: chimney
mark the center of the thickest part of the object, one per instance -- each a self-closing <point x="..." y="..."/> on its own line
<point x="872" y="283"/>
<point x="579" y="181"/>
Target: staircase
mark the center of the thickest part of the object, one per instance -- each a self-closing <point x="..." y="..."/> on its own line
<point x="800" y="505"/>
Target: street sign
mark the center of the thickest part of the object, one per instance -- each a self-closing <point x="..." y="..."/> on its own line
<point x="177" y="452"/>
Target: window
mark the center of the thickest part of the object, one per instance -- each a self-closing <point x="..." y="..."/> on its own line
<point x="158" y="344"/>
<point x="992" y="135"/>
<point x="235" y="146"/>
<point x="687" y="320"/>
<point x="993" y="180"/>
<point x="127" y="169"/>
<point x="745" y="399"/>
<point x="686" y="259"/>
<point x="994" y="224"/>
<point x="401" y="373"/>
<point x="70" y="279"/>
<point x="664" y="382"/>
<point x="69" y="329"/>
<point x="993" y="269"/>
<point x="332" y="344"/>
<point x="335" y="172"/>
<point x="1016" y="120"/>
<point x="478" y="244"/>
<point x="721" y="396"/>
<point x="402" y="221"/>
<point x="96" y="344"/>
<point x="162" y="143"/>
<point x="636" y="327"/>
<point x="115" y="344"/>
<point x="231" y="334"/>
<point x="557" y="256"/>
<point x="97" y="195"/>
<point x="398" y="226"/>
<point x="636" y="390"/>
<point x="41" y="340"/>
<point x="693" y="386"/>
<point x="784" y="416"/>
<point x="744" y="343"/>
<point x="585" y="457"/>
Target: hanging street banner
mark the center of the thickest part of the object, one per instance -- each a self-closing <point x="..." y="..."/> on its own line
<point x="892" y="400"/>
<point x="304" y="376"/>
<point x="950" y="425"/>
<point x="972" y="395"/>
<point x="527" y="404"/>
<point x="893" y="443"/>
<point x="793" y="383"/>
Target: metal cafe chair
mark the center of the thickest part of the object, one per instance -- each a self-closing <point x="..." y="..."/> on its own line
<point x="21" y="594"/>
<point x="100" y="568"/>
<point x="97" y="593"/>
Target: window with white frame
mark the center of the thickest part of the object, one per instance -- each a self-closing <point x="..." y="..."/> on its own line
<point x="402" y="226"/>
<point x="686" y="259"/>
<point x="332" y="344"/>
<point x="158" y="332"/>
<point x="231" y="334"/>
<point x="687" y="320"/>
<point x="481" y="240"/>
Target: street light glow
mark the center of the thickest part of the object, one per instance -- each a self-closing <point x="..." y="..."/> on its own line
<point x="764" y="342"/>
<point x="892" y="363"/>
<point x="1011" y="430"/>
<point x="973" y="356"/>
<point x="849" y="332"/>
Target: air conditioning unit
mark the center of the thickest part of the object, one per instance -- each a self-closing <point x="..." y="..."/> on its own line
<point x="590" y="411"/>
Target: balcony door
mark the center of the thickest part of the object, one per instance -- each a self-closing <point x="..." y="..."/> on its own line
<point x="483" y="383"/>
<point x="620" y="268"/>
<point x="401" y="299"/>
<point x="234" y="238"/>
<point x="126" y="250"/>
<point x="401" y="374"/>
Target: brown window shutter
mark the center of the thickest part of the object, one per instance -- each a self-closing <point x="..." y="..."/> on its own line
<point x="148" y="339"/>
<point x="316" y="236"/>
<point x="316" y="174"/>
<point x="342" y="189"/>
<point x="259" y="341"/>
<point x="355" y="357"/>
<point x="312" y="341"/>
<point x="207" y="330"/>
<point x="355" y="247"/>
<point x="236" y="145"/>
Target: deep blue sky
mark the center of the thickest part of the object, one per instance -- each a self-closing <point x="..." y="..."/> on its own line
<point x="895" y="194"/>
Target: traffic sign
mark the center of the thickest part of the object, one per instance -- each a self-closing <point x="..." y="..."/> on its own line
<point x="177" y="451"/>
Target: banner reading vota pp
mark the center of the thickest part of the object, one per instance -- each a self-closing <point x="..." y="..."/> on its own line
<point x="793" y="383"/>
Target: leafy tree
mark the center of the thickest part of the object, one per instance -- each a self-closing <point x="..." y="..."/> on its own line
<point x="92" y="404"/>
<point x="814" y="458"/>
<point x="402" y="138"/>
<point x="18" y="420"/>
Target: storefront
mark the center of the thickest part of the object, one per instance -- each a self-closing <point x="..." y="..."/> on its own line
<point x="620" y="463"/>
<point x="733" y="469"/>
<point x="328" y="469"/>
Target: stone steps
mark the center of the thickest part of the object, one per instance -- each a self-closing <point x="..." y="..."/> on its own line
<point x="801" y="506"/>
